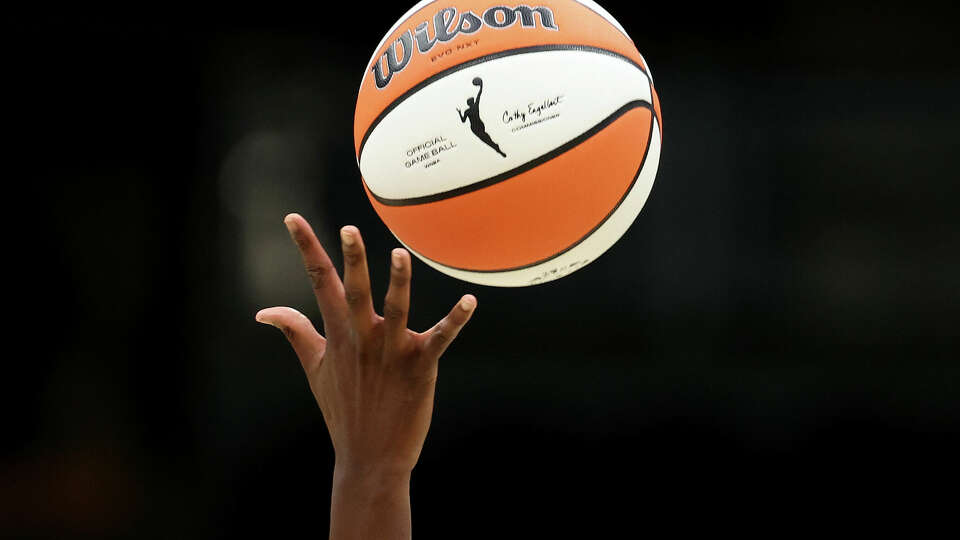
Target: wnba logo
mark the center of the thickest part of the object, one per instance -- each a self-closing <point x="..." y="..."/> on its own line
<point x="473" y="115"/>
<point x="446" y="26"/>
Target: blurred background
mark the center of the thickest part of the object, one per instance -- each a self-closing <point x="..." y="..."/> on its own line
<point x="777" y="331"/>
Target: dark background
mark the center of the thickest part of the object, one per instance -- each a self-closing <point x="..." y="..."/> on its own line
<point x="777" y="331"/>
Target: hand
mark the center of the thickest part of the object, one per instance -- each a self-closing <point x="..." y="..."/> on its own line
<point x="373" y="378"/>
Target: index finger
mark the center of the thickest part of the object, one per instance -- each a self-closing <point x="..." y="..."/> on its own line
<point x="327" y="286"/>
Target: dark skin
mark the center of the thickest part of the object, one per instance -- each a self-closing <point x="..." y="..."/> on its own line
<point x="373" y="378"/>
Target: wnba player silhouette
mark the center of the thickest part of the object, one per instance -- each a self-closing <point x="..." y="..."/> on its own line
<point x="473" y="114"/>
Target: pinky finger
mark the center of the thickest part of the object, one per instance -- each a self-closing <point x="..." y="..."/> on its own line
<point x="299" y="331"/>
<point x="444" y="332"/>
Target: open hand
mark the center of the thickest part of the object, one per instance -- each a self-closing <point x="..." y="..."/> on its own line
<point x="373" y="378"/>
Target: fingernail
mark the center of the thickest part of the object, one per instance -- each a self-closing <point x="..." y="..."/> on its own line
<point x="347" y="237"/>
<point x="260" y="320"/>
<point x="288" y="221"/>
<point x="468" y="303"/>
<point x="397" y="258"/>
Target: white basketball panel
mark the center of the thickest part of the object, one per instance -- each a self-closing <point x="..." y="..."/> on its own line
<point x="531" y="104"/>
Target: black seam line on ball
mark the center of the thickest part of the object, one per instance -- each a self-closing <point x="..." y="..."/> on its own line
<point x="426" y="199"/>
<point x="643" y="163"/>
<point x="512" y="52"/>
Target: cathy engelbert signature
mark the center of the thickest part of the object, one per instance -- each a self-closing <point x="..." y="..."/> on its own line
<point x="534" y="111"/>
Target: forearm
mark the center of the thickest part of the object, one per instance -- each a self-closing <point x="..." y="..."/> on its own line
<point x="369" y="505"/>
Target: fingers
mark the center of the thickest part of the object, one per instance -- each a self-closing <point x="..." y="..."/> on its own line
<point x="440" y="336"/>
<point x="396" y="306"/>
<point x="306" y="342"/>
<point x="356" y="279"/>
<point x="323" y="275"/>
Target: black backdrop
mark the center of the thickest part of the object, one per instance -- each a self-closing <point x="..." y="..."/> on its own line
<point x="780" y="320"/>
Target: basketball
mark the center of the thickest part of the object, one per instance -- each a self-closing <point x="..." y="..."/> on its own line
<point x="507" y="144"/>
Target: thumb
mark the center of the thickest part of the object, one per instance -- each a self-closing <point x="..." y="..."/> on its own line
<point x="299" y="331"/>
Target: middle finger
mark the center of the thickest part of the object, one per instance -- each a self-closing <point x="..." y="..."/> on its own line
<point x="356" y="279"/>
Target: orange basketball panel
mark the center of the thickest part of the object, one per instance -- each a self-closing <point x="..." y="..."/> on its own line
<point x="534" y="215"/>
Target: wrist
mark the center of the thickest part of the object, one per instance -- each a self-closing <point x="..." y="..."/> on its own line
<point x="372" y="479"/>
<point x="369" y="502"/>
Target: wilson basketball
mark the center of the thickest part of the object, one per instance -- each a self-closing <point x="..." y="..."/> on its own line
<point x="507" y="144"/>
